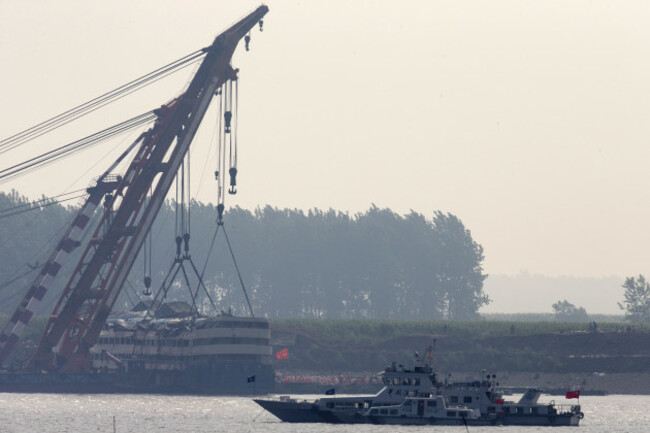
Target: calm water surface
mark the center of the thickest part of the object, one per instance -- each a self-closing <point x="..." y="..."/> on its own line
<point x="153" y="413"/>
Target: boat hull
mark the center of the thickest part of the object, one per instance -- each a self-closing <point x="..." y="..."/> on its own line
<point x="195" y="380"/>
<point x="298" y="412"/>
<point x="307" y="412"/>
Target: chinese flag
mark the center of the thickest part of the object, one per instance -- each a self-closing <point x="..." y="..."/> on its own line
<point x="283" y="354"/>
<point x="499" y="401"/>
<point x="573" y="394"/>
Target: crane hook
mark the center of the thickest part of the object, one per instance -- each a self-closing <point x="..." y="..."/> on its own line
<point x="227" y="117"/>
<point x="233" y="180"/>
<point x="179" y="242"/>
<point x="186" y="241"/>
<point x="247" y="41"/>
<point x="147" y="284"/>
<point x="261" y="25"/>
<point x="220" y="208"/>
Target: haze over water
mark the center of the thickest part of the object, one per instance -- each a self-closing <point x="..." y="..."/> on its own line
<point x="183" y="414"/>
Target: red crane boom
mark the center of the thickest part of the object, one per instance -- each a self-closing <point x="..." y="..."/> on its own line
<point x="128" y="215"/>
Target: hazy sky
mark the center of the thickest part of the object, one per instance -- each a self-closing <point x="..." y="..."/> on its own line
<point x="527" y="119"/>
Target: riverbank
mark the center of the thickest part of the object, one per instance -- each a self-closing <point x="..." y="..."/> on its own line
<point x="514" y="382"/>
<point x="613" y="361"/>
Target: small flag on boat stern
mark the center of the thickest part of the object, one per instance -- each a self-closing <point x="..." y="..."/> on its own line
<point x="330" y="391"/>
<point x="251" y="379"/>
<point x="573" y="394"/>
<point x="283" y="354"/>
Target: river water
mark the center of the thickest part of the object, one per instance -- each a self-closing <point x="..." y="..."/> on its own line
<point x="154" y="413"/>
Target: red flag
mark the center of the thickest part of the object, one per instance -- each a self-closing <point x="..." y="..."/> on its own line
<point x="283" y="354"/>
<point x="499" y="401"/>
<point x="573" y="394"/>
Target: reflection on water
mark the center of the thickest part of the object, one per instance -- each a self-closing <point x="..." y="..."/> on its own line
<point x="153" y="413"/>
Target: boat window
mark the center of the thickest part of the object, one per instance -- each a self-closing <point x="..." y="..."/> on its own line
<point x="407" y="402"/>
<point x="384" y="411"/>
<point x="431" y="403"/>
<point x="534" y="410"/>
<point x="467" y="399"/>
<point x="396" y="381"/>
<point x="329" y="405"/>
<point x="453" y="399"/>
<point x="406" y="381"/>
<point x="451" y="413"/>
<point x="367" y="404"/>
<point x="416" y="381"/>
<point x="385" y="380"/>
<point x="375" y="411"/>
<point x="393" y="411"/>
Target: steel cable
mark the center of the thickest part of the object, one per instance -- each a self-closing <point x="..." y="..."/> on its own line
<point x="67" y="149"/>
<point x="98" y="102"/>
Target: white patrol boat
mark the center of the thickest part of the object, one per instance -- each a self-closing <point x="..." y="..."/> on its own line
<point x="417" y="397"/>
<point x="484" y="396"/>
<point x="419" y="411"/>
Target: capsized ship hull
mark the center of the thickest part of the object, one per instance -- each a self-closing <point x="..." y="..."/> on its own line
<point x="173" y="353"/>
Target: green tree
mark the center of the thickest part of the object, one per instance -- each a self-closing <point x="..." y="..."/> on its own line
<point x="461" y="274"/>
<point x="565" y="311"/>
<point x="637" y="299"/>
<point x="374" y="264"/>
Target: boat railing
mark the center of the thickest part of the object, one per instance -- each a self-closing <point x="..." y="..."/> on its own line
<point x="566" y="408"/>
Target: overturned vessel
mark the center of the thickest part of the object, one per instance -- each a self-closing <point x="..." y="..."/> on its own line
<point x="179" y="353"/>
<point x="172" y="353"/>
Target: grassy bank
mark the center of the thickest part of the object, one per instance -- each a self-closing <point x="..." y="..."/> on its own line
<point x="369" y="345"/>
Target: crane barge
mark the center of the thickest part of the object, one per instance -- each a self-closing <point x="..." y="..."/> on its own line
<point x="82" y="348"/>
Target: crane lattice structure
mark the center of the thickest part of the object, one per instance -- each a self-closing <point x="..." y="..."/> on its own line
<point x="127" y="215"/>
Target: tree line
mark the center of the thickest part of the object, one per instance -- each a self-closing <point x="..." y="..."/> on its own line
<point x="373" y="264"/>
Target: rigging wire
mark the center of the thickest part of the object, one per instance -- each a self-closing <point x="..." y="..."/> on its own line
<point x="189" y="196"/>
<point x="98" y="102"/>
<point x="8" y="215"/>
<point x="39" y="256"/>
<point x="18" y="277"/>
<point x="45" y="247"/>
<point x="241" y="281"/>
<point x="37" y="202"/>
<point x="135" y="293"/>
<point x="234" y="162"/>
<point x="105" y="157"/>
<point x="75" y="146"/>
